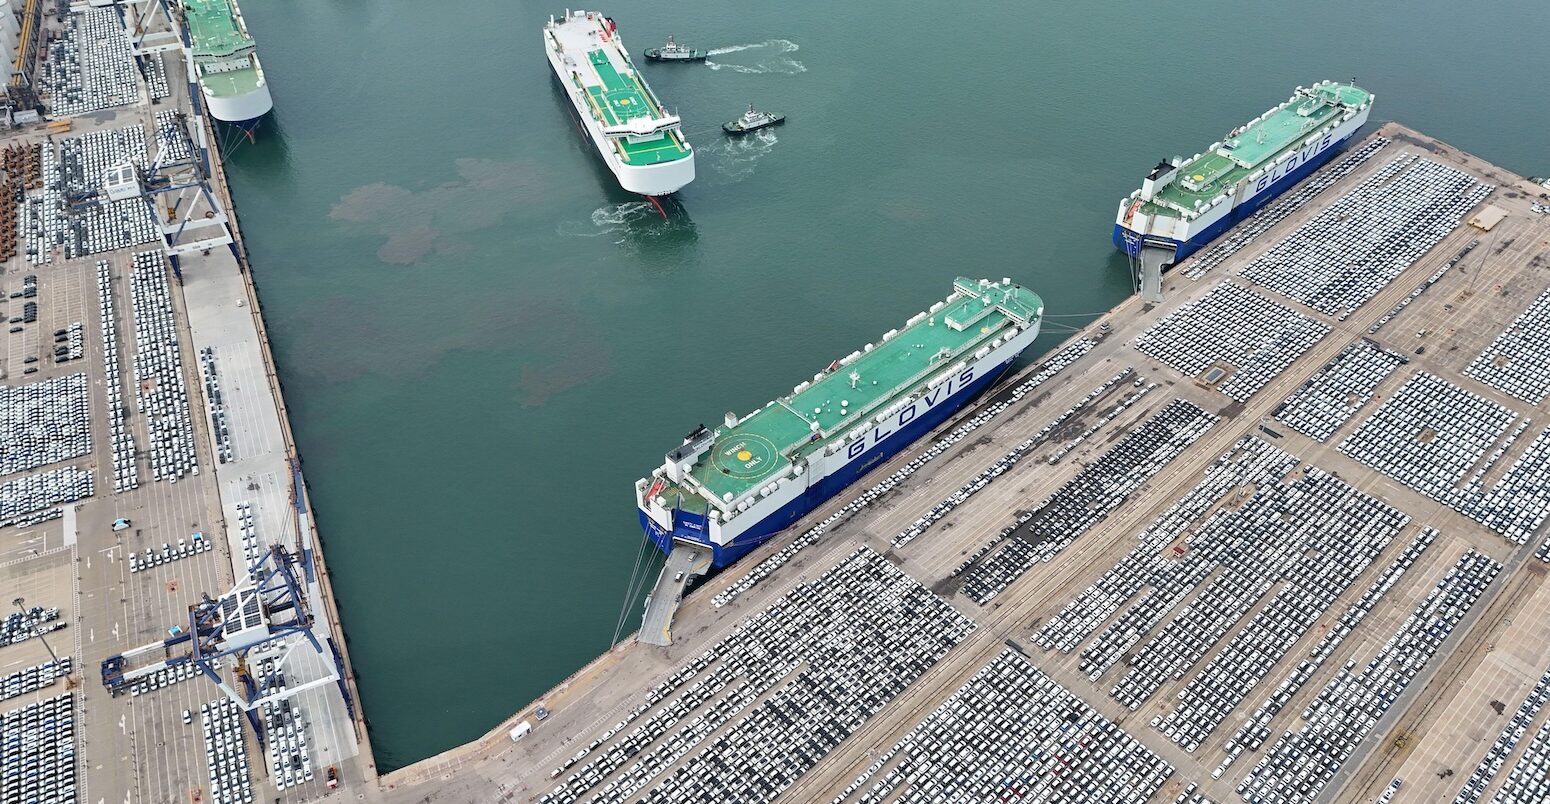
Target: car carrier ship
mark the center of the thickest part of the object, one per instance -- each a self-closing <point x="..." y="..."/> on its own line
<point x="639" y="140"/>
<point x="225" y="59"/>
<point x="731" y="488"/>
<point x="1185" y="203"/>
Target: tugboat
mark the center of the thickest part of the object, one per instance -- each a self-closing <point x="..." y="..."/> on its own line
<point x="752" y="120"/>
<point x="673" y="51"/>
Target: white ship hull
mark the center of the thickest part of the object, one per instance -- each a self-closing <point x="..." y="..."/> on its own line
<point x="241" y="110"/>
<point x="654" y="180"/>
<point x="1133" y="227"/>
<point x="827" y="473"/>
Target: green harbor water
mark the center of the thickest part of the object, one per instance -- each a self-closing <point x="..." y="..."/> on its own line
<point x="483" y="341"/>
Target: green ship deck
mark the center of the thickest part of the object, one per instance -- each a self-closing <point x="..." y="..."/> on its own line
<point x="600" y="68"/>
<point x="763" y="445"/>
<point x="230" y="84"/>
<point x="1255" y="146"/>
<point x="622" y="98"/>
<point x="212" y="25"/>
<point x="218" y="38"/>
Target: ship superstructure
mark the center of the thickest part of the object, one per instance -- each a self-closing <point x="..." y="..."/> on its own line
<point x="732" y="487"/>
<point x="1185" y="203"/>
<point x="640" y="141"/>
<point x="225" y="63"/>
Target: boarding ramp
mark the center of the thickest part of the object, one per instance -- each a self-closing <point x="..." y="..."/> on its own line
<point x="1152" y="260"/>
<point x="684" y="563"/>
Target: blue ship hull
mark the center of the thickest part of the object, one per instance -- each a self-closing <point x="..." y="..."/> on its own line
<point x="826" y="488"/>
<point x="249" y="126"/>
<point x="1182" y="249"/>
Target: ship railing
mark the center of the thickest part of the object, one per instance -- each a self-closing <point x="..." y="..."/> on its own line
<point x="225" y="65"/>
<point x="241" y="51"/>
<point x="633" y="127"/>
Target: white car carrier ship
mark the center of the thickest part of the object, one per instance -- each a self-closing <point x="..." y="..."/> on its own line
<point x="226" y="65"/>
<point x="639" y="140"/>
<point x="731" y="488"/>
<point x="1185" y="203"/>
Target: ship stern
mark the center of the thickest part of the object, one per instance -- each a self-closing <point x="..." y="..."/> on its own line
<point x="1126" y="240"/>
<point x="664" y="178"/>
<point x="243" y="111"/>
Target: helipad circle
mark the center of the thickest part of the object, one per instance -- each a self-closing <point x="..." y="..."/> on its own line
<point x="745" y="456"/>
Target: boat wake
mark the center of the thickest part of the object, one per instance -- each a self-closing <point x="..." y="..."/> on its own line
<point x="769" y="56"/>
<point x="734" y="157"/>
<point x="779" y="45"/>
<point x="624" y="221"/>
<point x="610" y="218"/>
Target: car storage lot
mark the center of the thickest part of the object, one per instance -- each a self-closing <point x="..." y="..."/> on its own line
<point x="1478" y="581"/>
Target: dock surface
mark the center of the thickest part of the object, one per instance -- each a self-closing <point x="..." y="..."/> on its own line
<point x="1281" y="533"/>
<point x="138" y="744"/>
<point x="1181" y="550"/>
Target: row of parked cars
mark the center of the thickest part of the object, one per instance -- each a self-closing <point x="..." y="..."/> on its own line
<point x="126" y="473"/>
<point x="169" y="553"/>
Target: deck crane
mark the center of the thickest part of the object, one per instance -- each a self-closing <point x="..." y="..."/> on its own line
<point x="271" y="610"/>
<point x="266" y="614"/>
<point x="187" y="214"/>
<point x="179" y="178"/>
<point x="151" y="27"/>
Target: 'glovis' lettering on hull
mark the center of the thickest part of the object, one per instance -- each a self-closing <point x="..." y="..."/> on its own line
<point x="907" y="414"/>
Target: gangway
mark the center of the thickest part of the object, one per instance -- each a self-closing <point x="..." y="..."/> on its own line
<point x="123" y="670"/>
<point x="685" y="562"/>
<point x="1150" y="263"/>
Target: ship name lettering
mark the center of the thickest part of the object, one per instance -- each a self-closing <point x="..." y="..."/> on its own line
<point x="906" y="415"/>
<point x="1293" y="161"/>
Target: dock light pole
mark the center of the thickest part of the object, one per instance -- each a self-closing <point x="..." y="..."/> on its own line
<point x="21" y="606"/>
